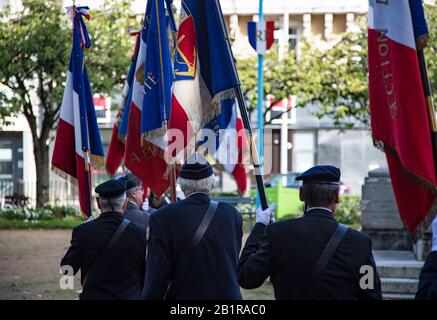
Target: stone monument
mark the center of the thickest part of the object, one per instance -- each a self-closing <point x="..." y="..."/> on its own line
<point x="380" y="217"/>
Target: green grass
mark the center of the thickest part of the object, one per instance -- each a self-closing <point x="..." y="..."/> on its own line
<point x="66" y="223"/>
<point x="265" y="292"/>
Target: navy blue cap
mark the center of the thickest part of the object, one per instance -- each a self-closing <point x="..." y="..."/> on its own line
<point x="196" y="168"/>
<point x="321" y="175"/>
<point x="111" y="189"/>
<point x="130" y="180"/>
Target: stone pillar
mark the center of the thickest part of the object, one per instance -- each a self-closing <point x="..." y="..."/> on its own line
<point x="350" y="22"/>
<point x="283" y="43"/>
<point x="233" y="27"/>
<point x="329" y="25"/>
<point x="307" y="25"/>
<point x="379" y="213"/>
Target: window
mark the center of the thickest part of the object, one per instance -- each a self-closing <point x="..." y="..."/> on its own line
<point x="6" y="160"/>
<point x="293" y="37"/>
<point x="304" y="144"/>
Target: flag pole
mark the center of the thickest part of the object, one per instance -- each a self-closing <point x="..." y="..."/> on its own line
<point x="87" y="161"/>
<point x="172" y="176"/>
<point x="260" y="106"/>
<point x="88" y="181"/>
<point x="427" y="90"/>
<point x="245" y="117"/>
<point x="252" y="148"/>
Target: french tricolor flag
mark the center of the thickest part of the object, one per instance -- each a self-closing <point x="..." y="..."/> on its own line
<point x="142" y="158"/>
<point x="116" y="148"/>
<point x="78" y="145"/>
<point x="204" y="73"/>
<point x="260" y="34"/>
<point x="230" y="145"/>
<point x="399" y="118"/>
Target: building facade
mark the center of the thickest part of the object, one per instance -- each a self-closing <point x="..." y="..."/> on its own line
<point x="293" y="143"/>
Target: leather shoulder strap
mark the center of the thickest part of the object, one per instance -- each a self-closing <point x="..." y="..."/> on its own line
<point x="115" y="237"/>
<point x="310" y="279"/>
<point x="188" y="251"/>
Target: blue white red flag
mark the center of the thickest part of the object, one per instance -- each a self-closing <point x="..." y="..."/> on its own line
<point x="398" y="109"/>
<point x="144" y="158"/>
<point x="78" y="145"/>
<point x="230" y="143"/>
<point x="116" y="146"/>
<point x="204" y="70"/>
<point x="261" y="35"/>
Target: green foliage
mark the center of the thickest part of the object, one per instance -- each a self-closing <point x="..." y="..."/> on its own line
<point x="280" y="77"/>
<point x="35" y="44"/>
<point x="333" y="82"/>
<point x="348" y="211"/>
<point x="431" y="49"/>
<point x="66" y="223"/>
<point x="40" y="214"/>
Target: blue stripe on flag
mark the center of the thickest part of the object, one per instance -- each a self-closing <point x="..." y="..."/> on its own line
<point x="158" y="74"/>
<point x="418" y="15"/>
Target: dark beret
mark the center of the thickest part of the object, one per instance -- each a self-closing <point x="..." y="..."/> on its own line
<point x="321" y="175"/>
<point x="130" y="180"/>
<point x="196" y="168"/>
<point x="111" y="189"/>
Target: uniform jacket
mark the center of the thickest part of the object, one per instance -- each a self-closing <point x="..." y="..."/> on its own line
<point x="212" y="270"/>
<point x="135" y="214"/>
<point x="287" y="250"/>
<point x="428" y="279"/>
<point x="121" y="273"/>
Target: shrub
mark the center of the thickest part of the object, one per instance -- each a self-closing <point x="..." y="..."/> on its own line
<point x="46" y="213"/>
<point x="349" y="211"/>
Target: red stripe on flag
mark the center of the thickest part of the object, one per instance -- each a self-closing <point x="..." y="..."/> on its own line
<point x="115" y="152"/>
<point x="239" y="172"/>
<point x="64" y="153"/>
<point x="68" y="161"/>
<point x="149" y="168"/>
<point x="399" y="119"/>
<point x="81" y="183"/>
<point x="179" y="120"/>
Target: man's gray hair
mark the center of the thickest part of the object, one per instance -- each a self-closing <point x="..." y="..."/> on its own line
<point x="203" y="185"/>
<point x="117" y="203"/>
<point x="318" y="195"/>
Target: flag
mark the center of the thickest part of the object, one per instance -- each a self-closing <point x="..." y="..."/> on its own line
<point x="398" y="111"/>
<point x="230" y="145"/>
<point x="78" y="144"/>
<point x="261" y="35"/>
<point x="116" y="146"/>
<point x="204" y="71"/>
<point x="144" y="159"/>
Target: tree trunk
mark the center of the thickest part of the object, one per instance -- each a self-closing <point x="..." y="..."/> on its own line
<point x="42" y="174"/>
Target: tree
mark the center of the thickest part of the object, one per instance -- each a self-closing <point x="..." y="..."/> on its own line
<point x="280" y="78"/>
<point x="333" y="82"/>
<point x="35" y="44"/>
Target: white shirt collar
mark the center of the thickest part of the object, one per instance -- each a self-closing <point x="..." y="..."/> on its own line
<point x="319" y="208"/>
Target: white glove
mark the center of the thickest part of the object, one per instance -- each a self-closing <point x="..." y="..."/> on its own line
<point x="91" y="218"/>
<point x="145" y="205"/>
<point x="265" y="216"/>
<point x="434" y="234"/>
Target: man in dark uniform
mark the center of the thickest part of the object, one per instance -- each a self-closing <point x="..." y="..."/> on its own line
<point x="290" y="252"/>
<point x="110" y="251"/>
<point x="428" y="275"/>
<point x="134" y="194"/>
<point x="208" y="269"/>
